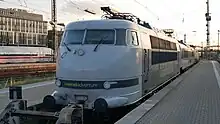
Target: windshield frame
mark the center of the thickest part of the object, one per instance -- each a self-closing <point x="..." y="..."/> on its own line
<point x="65" y="35"/>
<point x="85" y="34"/>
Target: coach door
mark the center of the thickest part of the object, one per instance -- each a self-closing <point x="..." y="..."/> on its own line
<point x="145" y="61"/>
<point x="145" y="71"/>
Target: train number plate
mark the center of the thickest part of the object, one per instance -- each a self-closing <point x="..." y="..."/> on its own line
<point x="81" y="97"/>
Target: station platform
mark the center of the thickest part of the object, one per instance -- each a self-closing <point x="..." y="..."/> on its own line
<point x="192" y="98"/>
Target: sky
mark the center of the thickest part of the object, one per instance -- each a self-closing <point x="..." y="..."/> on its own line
<point x="162" y="14"/>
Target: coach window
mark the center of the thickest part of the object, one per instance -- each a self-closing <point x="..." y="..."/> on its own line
<point x="132" y="38"/>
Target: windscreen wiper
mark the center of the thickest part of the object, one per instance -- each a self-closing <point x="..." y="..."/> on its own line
<point x="100" y="42"/>
<point x="67" y="47"/>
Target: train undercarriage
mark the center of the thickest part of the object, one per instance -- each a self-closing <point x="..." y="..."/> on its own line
<point x="47" y="112"/>
<point x="17" y="111"/>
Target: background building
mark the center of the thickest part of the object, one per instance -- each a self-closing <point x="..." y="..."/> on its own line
<point x="18" y="27"/>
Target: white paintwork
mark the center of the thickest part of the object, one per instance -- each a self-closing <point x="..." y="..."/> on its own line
<point x="186" y="62"/>
<point x="108" y="63"/>
<point x="114" y="102"/>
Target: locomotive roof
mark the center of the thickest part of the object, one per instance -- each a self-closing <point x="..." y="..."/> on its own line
<point x="101" y="24"/>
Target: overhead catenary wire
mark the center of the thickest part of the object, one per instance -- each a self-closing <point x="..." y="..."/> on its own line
<point x="13" y="3"/>
<point x="108" y="1"/>
<point x="158" y="18"/>
<point x="146" y="8"/>
<point x="79" y="8"/>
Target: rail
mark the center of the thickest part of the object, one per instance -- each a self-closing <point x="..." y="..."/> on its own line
<point x="19" y="74"/>
<point x="20" y="70"/>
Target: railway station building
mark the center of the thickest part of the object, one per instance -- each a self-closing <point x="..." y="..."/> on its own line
<point x="21" y="28"/>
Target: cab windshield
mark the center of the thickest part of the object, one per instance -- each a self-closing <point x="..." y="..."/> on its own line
<point x="94" y="36"/>
<point x="91" y="36"/>
<point x="73" y="36"/>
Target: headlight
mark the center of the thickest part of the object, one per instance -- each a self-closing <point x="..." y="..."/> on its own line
<point x="107" y="85"/>
<point x="58" y="83"/>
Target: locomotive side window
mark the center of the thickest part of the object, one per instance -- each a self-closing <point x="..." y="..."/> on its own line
<point x="185" y="54"/>
<point x="173" y="46"/>
<point x="157" y="43"/>
<point x="154" y="42"/>
<point x="132" y="38"/>
<point x="94" y="36"/>
<point x="162" y="44"/>
<point x="162" y="56"/>
<point x="168" y="47"/>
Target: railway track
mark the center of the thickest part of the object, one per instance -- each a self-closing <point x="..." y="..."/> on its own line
<point x="24" y="64"/>
<point x="13" y="70"/>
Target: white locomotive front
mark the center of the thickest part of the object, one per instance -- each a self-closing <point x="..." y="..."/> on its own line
<point x="100" y="61"/>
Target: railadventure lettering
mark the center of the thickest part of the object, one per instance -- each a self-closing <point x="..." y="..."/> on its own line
<point x="80" y="85"/>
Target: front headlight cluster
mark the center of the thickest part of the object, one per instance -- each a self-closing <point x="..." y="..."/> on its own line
<point x="58" y="82"/>
<point x="107" y="85"/>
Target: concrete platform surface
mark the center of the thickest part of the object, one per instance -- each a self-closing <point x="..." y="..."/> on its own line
<point x="193" y="98"/>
